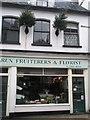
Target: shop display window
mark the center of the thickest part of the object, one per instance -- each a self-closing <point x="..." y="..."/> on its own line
<point x="3" y="70"/>
<point x="55" y="71"/>
<point x="77" y="71"/>
<point x="41" y="89"/>
<point x="29" y="71"/>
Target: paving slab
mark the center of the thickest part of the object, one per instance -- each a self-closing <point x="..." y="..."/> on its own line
<point x="51" y="117"/>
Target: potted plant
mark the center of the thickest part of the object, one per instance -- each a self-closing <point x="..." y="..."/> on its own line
<point x="27" y="19"/>
<point x="60" y="22"/>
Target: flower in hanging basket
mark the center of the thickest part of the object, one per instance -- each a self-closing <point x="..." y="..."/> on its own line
<point x="60" y="22"/>
<point x="27" y="19"/>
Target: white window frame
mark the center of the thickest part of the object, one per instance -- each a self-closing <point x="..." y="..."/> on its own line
<point x="42" y="3"/>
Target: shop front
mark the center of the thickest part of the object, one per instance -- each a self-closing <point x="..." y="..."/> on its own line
<point x="41" y="84"/>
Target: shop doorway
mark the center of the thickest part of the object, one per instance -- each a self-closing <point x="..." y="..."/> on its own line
<point x="78" y="94"/>
<point x="3" y="95"/>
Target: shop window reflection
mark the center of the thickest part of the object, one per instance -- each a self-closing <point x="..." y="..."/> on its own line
<point x="42" y="90"/>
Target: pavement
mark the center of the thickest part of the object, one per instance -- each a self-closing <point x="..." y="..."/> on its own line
<point x="51" y="117"/>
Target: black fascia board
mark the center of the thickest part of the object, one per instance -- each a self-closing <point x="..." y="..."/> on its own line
<point x="50" y="9"/>
<point x="49" y="52"/>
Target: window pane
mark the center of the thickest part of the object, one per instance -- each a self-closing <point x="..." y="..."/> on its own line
<point x="42" y="26"/>
<point x="7" y="23"/>
<point x="42" y="3"/>
<point x="45" y="3"/>
<point x="78" y="88"/>
<point x="72" y="25"/>
<point x="55" y="71"/>
<point x="29" y="70"/>
<point x="10" y="23"/>
<point x="42" y="90"/>
<point x="37" y="26"/>
<point x="10" y="36"/>
<point x="3" y="87"/>
<point x="37" y="37"/>
<point x="3" y="70"/>
<point x="77" y="71"/>
<point x="71" y="31"/>
<point x="14" y="24"/>
<point x="41" y="37"/>
<point x="45" y="37"/>
<point x="10" y="31"/>
<point x="71" y="39"/>
<point x="45" y="26"/>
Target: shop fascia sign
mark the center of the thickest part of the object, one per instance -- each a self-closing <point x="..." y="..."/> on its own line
<point x="43" y="62"/>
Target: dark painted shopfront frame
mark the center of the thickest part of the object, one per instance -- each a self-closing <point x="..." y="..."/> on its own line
<point x="78" y="94"/>
<point x="49" y="92"/>
<point x="3" y="91"/>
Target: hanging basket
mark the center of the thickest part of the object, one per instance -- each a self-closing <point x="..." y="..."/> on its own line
<point x="57" y="32"/>
<point x="60" y="22"/>
<point x="26" y="30"/>
<point x="27" y="19"/>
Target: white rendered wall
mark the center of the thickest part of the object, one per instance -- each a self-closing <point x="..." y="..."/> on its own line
<point x="86" y="4"/>
<point x="57" y="42"/>
<point x="40" y="108"/>
<point x="12" y="89"/>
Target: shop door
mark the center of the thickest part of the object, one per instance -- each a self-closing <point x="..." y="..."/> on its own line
<point x="3" y="95"/>
<point x="78" y="94"/>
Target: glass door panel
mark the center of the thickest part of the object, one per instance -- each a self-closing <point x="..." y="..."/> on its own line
<point x="78" y="94"/>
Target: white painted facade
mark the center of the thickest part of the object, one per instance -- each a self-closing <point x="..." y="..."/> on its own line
<point x="86" y="4"/>
<point x="57" y="46"/>
<point x="56" y="42"/>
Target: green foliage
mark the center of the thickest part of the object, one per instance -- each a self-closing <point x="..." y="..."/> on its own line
<point x="60" y="22"/>
<point x="27" y="18"/>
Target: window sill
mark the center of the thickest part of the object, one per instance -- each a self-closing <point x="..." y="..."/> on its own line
<point x="72" y="46"/>
<point x="46" y="45"/>
<point x="10" y="43"/>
